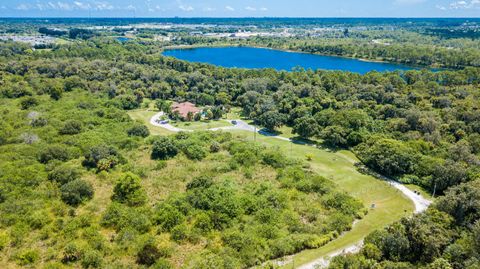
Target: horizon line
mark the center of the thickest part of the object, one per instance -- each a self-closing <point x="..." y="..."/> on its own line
<point x="240" y="17"/>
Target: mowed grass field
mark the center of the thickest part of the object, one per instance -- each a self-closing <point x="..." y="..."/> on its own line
<point x="144" y="116"/>
<point x="390" y="203"/>
<point x="201" y="125"/>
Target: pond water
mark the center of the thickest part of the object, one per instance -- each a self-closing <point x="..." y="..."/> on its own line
<point x="248" y="57"/>
<point x="123" y="39"/>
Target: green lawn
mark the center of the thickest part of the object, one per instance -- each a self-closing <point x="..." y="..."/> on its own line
<point x="234" y="114"/>
<point x="201" y="125"/>
<point x="390" y="204"/>
<point x="144" y="116"/>
<point x="425" y="193"/>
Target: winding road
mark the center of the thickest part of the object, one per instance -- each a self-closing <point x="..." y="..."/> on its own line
<point x="421" y="203"/>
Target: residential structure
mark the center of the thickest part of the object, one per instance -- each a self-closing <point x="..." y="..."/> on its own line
<point x="184" y="109"/>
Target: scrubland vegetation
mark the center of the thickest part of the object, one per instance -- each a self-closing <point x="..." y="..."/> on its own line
<point x="84" y="185"/>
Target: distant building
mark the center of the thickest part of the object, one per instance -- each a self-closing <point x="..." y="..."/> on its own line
<point x="183" y="109"/>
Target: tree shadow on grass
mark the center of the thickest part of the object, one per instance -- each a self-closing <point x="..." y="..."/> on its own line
<point x="267" y="132"/>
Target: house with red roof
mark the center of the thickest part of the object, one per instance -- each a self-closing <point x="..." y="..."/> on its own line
<point x="184" y="109"/>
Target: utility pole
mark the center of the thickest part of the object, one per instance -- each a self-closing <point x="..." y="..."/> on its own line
<point x="434" y="189"/>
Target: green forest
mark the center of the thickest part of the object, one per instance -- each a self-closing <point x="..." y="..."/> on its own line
<point x="83" y="185"/>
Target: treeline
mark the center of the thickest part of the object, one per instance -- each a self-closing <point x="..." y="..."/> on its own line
<point x="410" y="53"/>
<point x="71" y="33"/>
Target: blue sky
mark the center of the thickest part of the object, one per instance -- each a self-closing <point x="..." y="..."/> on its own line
<point x="236" y="8"/>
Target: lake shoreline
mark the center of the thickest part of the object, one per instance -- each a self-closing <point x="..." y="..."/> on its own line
<point x="226" y="45"/>
<point x="233" y="56"/>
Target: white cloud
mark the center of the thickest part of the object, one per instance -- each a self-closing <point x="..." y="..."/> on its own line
<point x="229" y="8"/>
<point x="186" y="8"/>
<point x="130" y="7"/>
<point x="103" y="6"/>
<point x="64" y="6"/>
<point x="465" y="4"/>
<point x="68" y="6"/>
<point x="249" y="8"/>
<point x="263" y="9"/>
<point x="209" y="9"/>
<point x="441" y="7"/>
<point x="81" y="5"/>
<point x="24" y="7"/>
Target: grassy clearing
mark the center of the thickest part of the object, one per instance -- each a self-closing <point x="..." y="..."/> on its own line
<point x="390" y="204"/>
<point x="144" y="117"/>
<point x="422" y="191"/>
<point x="201" y="125"/>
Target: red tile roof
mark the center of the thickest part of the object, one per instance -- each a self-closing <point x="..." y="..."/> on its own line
<point x="184" y="108"/>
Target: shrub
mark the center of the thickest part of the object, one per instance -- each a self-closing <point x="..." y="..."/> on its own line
<point x="38" y="122"/>
<point x="63" y="174"/>
<point x="195" y="152"/>
<point x="215" y="147"/>
<point x="71" y="127"/>
<point x="202" y="182"/>
<point x="160" y="165"/>
<point x="168" y="217"/>
<point x="313" y="183"/>
<point x="27" y="257"/>
<point x="203" y="222"/>
<point x="128" y="190"/>
<point x="165" y="249"/>
<point x="113" y="215"/>
<point x="54" y="152"/>
<point x="102" y="157"/>
<point x="92" y="259"/>
<point x="4" y="240"/>
<point x="75" y="192"/>
<point x="274" y="158"/>
<point x="3" y="196"/>
<point x="246" y="158"/>
<point x="28" y="102"/>
<point x="148" y="254"/>
<point x="162" y="264"/>
<point x="179" y="232"/>
<point x="138" y="130"/>
<point x="71" y="253"/>
<point x="38" y="219"/>
<point x="343" y="203"/>
<point x="164" y="148"/>
<point x="128" y="102"/>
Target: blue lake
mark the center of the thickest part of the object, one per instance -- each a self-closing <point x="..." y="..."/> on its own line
<point x="248" y="57"/>
<point x="123" y="39"/>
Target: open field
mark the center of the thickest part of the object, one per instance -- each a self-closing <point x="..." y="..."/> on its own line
<point x="144" y="116"/>
<point x="200" y="125"/>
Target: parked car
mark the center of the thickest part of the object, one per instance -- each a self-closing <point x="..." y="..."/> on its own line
<point x="234" y="122"/>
